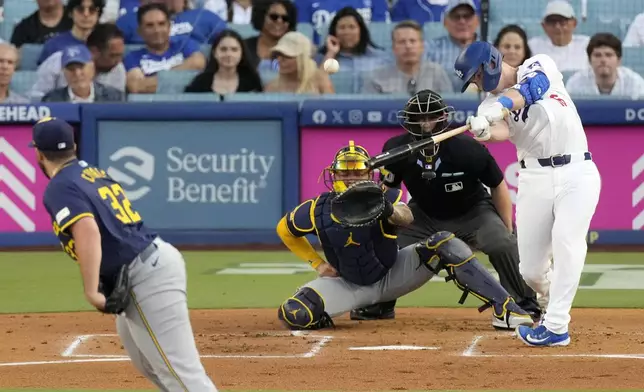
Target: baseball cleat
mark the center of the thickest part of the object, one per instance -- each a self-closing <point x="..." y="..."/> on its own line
<point x="541" y="336"/>
<point x="380" y="311"/>
<point x="511" y="321"/>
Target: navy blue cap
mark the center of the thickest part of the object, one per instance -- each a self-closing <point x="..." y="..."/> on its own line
<point x="52" y="134"/>
<point x="75" y="54"/>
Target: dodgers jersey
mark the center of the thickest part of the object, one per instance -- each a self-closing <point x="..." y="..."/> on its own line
<point x="79" y="190"/>
<point x="58" y="43"/>
<point x="319" y="13"/>
<point x="551" y="125"/>
<point x="200" y="25"/>
<point x="151" y="63"/>
<point x="128" y="6"/>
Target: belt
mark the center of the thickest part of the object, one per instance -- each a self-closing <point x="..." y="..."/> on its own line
<point x="148" y="251"/>
<point x="556" y="160"/>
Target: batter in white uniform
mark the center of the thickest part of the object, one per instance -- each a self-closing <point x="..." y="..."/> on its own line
<point x="559" y="184"/>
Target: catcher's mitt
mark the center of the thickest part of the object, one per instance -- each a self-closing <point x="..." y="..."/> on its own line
<point x="119" y="298"/>
<point x="361" y="204"/>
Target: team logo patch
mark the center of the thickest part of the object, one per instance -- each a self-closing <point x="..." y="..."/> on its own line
<point x="454" y="187"/>
<point x="62" y="214"/>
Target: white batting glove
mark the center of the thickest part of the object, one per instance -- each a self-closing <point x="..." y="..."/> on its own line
<point x="493" y="112"/>
<point x="479" y="127"/>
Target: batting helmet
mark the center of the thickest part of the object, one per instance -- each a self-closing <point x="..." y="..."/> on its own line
<point x="479" y="55"/>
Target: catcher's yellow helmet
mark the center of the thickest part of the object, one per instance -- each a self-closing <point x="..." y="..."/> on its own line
<point x="351" y="163"/>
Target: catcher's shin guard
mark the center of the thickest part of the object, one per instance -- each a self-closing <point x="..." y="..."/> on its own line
<point x="304" y="310"/>
<point x="444" y="251"/>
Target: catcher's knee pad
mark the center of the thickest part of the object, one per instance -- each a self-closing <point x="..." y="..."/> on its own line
<point x="444" y="251"/>
<point x="304" y="310"/>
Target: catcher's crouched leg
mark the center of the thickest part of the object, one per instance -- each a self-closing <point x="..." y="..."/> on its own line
<point x="444" y="251"/>
<point x="304" y="310"/>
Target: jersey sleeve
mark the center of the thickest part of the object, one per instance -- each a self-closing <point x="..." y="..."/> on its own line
<point x="131" y="61"/>
<point x="304" y="14"/>
<point x="490" y="173"/>
<point x="394" y="196"/>
<point x="380" y="11"/>
<point x="539" y="63"/>
<point x="66" y="205"/>
<point x="189" y="48"/>
<point x="300" y="220"/>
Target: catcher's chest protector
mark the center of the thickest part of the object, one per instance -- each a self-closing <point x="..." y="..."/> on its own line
<point x="361" y="255"/>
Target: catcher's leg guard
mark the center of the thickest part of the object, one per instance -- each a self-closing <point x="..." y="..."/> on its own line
<point x="444" y="251"/>
<point x="304" y="310"/>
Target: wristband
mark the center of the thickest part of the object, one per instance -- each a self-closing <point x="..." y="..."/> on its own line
<point x="506" y="102"/>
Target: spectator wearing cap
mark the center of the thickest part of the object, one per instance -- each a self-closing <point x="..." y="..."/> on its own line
<point x="79" y="71"/>
<point x="159" y="53"/>
<point x="461" y="22"/>
<point x="560" y="43"/>
<point x="107" y="47"/>
<point x="298" y="72"/>
<point x="8" y="62"/>
<point x="84" y="14"/>
<point x="198" y="25"/>
<point x="635" y="34"/>
<point x="49" y="20"/>
<point x="422" y="11"/>
<point x="606" y="75"/>
<point x="411" y="72"/>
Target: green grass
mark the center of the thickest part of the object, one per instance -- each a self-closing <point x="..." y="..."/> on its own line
<point x="50" y="282"/>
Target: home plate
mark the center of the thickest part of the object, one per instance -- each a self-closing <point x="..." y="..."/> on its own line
<point x="384" y="348"/>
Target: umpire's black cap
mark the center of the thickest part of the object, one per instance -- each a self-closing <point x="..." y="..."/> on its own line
<point x="52" y="134"/>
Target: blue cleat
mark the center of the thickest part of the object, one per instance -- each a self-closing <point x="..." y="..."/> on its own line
<point x="541" y="336"/>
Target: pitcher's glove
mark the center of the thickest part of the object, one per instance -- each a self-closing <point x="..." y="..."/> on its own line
<point x="363" y="203"/>
<point x="119" y="298"/>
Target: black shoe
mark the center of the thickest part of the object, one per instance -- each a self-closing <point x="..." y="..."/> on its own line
<point x="381" y="311"/>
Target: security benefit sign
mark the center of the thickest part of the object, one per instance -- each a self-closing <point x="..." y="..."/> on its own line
<point x="201" y="175"/>
<point x="22" y="183"/>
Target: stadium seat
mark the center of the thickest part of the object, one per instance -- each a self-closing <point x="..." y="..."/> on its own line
<point x="29" y="54"/>
<point x="267" y="75"/>
<point x="245" y="30"/>
<point x="633" y="57"/>
<point x="23" y="81"/>
<point x="14" y="12"/>
<point x="567" y="75"/>
<point x="183" y="97"/>
<point x="174" y="82"/>
<point x="433" y="30"/>
<point x="344" y="82"/>
<point x="268" y="97"/>
<point x="306" y="29"/>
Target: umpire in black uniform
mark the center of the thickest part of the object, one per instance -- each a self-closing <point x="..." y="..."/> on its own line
<point x="446" y="185"/>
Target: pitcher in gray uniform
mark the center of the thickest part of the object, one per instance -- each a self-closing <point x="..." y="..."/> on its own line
<point x="117" y="254"/>
<point x="365" y="266"/>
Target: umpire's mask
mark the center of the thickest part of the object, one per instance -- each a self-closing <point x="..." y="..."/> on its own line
<point x="425" y="115"/>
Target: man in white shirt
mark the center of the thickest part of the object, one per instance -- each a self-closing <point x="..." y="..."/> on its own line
<point x="564" y="47"/>
<point x="559" y="184"/>
<point x="635" y="34"/>
<point x="606" y="75"/>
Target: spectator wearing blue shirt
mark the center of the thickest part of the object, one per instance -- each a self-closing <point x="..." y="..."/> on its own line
<point x="159" y="53"/>
<point x="84" y="14"/>
<point x="461" y="23"/>
<point x="422" y="11"/>
<point x="114" y="9"/>
<point x="350" y="43"/>
<point x="273" y="19"/>
<point x="319" y="13"/>
<point x="199" y="25"/>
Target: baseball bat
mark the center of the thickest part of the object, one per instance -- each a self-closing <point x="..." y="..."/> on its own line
<point x="401" y="152"/>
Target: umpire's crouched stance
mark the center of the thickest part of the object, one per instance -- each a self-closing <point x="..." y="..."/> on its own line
<point x="363" y="262"/>
<point x="446" y="185"/>
<point x="127" y="270"/>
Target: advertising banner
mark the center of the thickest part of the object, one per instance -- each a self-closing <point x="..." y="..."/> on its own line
<point x="617" y="151"/>
<point x="205" y="175"/>
<point x="22" y="183"/>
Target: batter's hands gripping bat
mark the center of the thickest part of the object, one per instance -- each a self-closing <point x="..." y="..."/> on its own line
<point x="402" y="152"/>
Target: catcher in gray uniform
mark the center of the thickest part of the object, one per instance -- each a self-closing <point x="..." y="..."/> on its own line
<point x="364" y="264"/>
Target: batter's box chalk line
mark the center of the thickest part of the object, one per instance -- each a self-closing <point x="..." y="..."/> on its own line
<point x="319" y="341"/>
<point x="471" y="351"/>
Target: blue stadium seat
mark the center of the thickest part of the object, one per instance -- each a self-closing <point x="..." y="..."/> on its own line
<point x="381" y="34"/>
<point x="14" y="12"/>
<point x="29" y="54"/>
<point x="633" y="57"/>
<point x="268" y="97"/>
<point x="567" y="75"/>
<point x="205" y="50"/>
<point x="433" y="30"/>
<point x="183" y="97"/>
<point x="245" y="30"/>
<point x="23" y="81"/>
<point x="344" y="82"/>
<point x="306" y="29"/>
<point x="174" y="82"/>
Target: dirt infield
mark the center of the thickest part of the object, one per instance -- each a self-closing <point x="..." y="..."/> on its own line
<point x="421" y="349"/>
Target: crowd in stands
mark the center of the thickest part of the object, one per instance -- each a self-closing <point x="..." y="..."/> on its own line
<point x="109" y="50"/>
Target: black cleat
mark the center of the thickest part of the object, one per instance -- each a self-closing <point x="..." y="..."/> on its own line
<point x="380" y="311"/>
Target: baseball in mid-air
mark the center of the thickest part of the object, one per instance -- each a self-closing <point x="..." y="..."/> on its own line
<point x="331" y="66"/>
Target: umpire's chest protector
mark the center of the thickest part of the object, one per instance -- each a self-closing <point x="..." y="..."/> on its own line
<point x="361" y="255"/>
